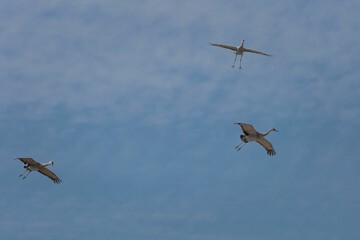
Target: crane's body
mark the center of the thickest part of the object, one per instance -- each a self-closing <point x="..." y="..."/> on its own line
<point x="251" y="135"/>
<point x="239" y="50"/>
<point x="32" y="165"/>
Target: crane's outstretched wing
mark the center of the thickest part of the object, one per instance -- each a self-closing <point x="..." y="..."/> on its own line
<point x="29" y="161"/>
<point x="267" y="145"/>
<point x="224" y="46"/>
<point x="257" y="52"/>
<point x="248" y="129"/>
<point x="50" y="174"/>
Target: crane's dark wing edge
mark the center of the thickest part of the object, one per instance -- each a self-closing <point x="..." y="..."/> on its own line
<point x="257" y="52"/>
<point x="50" y="174"/>
<point x="224" y="46"/>
<point x="28" y="161"/>
<point x="267" y="145"/>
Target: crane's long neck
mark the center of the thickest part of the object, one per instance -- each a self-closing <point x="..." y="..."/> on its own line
<point x="47" y="164"/>
<point x="267" y="132"/>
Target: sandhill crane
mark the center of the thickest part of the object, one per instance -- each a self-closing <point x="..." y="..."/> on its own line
<point x="252" y="135"/>
<point x="239" y="50"/>
<point x="32" y="165"/>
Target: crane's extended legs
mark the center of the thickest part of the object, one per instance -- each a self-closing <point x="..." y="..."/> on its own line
<point x="24" y="173"/>
<point x="240" y="146"/>
<point x="234" y="60"/>
<point x="240" y="60"/>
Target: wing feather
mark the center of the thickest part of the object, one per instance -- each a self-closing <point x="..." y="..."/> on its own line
<point x="248" y="129"/>
<point x="224" y="46"/>
<point x="257" y="52"/>
<point x="50" y="174"/>
<point x="29" y="161"/>
<point x="267" y="145"/>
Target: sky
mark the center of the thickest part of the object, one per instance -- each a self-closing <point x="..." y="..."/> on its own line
<point x="136" y="110"/>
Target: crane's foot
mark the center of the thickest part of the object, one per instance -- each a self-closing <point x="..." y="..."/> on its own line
<point x="240" y="146"/>
<point x="22" y="174"/>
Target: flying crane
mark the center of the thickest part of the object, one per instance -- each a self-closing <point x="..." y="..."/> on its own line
<point x="239" y="51"/>
<point x="251" y="135"/>
<point x="32" y="165"/>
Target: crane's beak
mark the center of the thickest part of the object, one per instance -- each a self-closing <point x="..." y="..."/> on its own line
<point x="237" y="123"/>
<point x="276" y="130"/>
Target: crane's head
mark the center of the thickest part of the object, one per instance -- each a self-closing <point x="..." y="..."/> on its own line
<point x="237" y="123"/>
<point x="273" y="129"/>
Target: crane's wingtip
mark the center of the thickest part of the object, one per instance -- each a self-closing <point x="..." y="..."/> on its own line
<point x="57" y="181"/>
<point x="271" y="153"/>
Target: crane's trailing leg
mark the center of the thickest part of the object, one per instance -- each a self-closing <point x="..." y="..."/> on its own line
<point x="240" y="146"/>
<point x="240" y="61"/>
<point x="23" y="173"/>
<point x="26" y="175"/>
<point x="234" y="60"/>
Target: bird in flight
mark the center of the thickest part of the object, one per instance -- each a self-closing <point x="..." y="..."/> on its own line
<point x="252" y="135"/>
<point x="239" y="51"/>
<point x="32" y="165"/>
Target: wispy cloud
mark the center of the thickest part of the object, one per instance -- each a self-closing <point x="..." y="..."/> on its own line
<point x="64" y="57"/>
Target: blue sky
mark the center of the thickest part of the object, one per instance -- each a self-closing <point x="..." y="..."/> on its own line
<point x="137" y="112"/>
